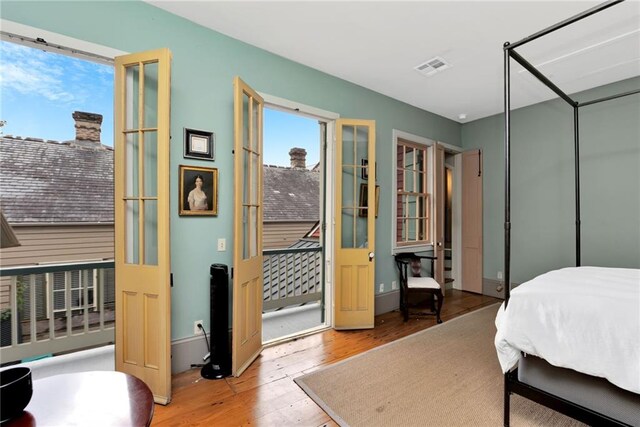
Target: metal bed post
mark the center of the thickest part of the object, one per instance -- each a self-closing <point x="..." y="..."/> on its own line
<point x="507" y="212"/>
<point x="507" y="175"/>
<point x="576" y="137"/>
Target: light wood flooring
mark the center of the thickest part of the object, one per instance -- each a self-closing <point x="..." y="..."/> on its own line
<point x="266" y="394"/>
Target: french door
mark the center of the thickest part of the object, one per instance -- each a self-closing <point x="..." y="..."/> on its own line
<point x="141" y="202"/>
<point x="247" y="253"/>
<point x="356" y="201"/>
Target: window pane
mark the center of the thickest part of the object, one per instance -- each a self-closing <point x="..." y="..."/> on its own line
<point x="245" y="179"/>
<point x="132" y="216"/>
<point x="150" y="164"/>
<point x="245" y="121"/>
<point x="131" y="97"/>
<point x="245" y="232"/>
<point x="131" y="159"/>
<point x="151" y="232"/>
<point x="253" y="237"/>
<point x="151" y="95"/>
<point x="348" y="145"/>
<point x="255" y="170"/>
<point x="348" y="218"/>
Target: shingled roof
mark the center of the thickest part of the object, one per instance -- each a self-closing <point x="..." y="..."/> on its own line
<point x="291" y="194"/>
<point x="55" y="182"/>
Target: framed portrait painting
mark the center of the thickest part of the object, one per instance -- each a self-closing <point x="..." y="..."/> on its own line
<point x="199" y="144"/>
<point x="198" y="193"/>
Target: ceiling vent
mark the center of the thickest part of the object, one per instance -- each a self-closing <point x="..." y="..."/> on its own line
<point x="432" y="66"/>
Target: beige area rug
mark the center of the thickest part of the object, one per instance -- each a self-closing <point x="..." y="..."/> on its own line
<point x="447" y="375"/>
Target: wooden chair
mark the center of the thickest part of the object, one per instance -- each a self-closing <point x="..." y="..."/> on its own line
<point x="413" y="283"/>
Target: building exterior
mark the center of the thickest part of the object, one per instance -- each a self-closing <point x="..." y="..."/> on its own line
<point x="291" y="201"/>
<point x="58" y="199"/>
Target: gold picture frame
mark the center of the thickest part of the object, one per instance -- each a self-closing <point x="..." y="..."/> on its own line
<point x="198" y="199"/>
<point x="364" y="198"/>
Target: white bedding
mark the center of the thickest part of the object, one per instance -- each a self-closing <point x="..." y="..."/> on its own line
<point x="583" y="318"/>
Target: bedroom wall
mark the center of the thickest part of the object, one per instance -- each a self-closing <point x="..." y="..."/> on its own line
<point x="542" y="171"/>
<point x="204" y="64"/>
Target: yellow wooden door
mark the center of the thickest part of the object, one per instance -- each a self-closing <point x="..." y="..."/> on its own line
<point x="357" y="199"/>
<point x="141" y="203"/>
<point x="472" y="221"/>
<point x="438" y="225"/>
<point x="247" y="242"/>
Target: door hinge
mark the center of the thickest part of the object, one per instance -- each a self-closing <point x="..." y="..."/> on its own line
<point x="171" y="279"/>
<point x="232" y="272"/>
<point x="479" y="163"/>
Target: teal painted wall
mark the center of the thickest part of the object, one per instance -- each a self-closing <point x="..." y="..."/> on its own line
<point x="542" y="173"/>
<point x="203" y="67"/>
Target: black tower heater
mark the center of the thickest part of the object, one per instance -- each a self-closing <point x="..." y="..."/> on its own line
<point x="219" y="365"/>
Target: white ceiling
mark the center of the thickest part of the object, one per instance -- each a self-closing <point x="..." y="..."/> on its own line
<point x="377" y="44"/>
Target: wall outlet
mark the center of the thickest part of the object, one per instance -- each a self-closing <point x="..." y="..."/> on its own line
<point x="381" y="287"/>
<point x="394" y="285"/>
<point x="222" y="245"/>
<point x="196" y="330"/>
<point x="499" y="275"/>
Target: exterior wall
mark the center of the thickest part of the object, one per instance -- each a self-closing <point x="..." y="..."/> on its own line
<point x="276" y="235"/>
<point x="59" y="243"/>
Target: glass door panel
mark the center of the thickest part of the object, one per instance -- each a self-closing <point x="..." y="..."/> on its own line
<point x="141" y="163"/>
<point x="150" y="95"/>
<point x="354" y="197"/>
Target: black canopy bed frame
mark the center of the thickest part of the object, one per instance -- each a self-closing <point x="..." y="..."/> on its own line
<point x="512" y="383"/>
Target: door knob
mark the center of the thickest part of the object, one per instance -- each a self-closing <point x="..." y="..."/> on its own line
<point x="371" y="255"/>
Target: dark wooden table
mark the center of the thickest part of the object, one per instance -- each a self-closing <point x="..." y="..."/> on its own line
<point x="96" y="398"/>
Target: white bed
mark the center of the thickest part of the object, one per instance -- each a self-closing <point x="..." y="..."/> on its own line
<point x="582" y="318"/>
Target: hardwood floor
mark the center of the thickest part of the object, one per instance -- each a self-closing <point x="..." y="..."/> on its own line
<point x="266" y="394"/>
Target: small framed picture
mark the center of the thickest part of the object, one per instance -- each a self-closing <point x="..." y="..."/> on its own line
<point x="364" y="163"/>
<point x="198" y="192"/>
<point x="199" y="144"/>
<point x="364" y="200"/>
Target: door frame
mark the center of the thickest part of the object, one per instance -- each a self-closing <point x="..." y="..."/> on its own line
<point x="456" y="207"/>
<point x="327" y="192"/>
<point x="456" y="244"/>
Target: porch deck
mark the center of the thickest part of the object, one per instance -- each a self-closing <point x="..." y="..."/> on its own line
<point x="290" y="321"/>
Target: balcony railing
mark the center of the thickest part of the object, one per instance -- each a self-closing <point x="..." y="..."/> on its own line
<point x="292" y="276"/>
<point x="51" y="309"/>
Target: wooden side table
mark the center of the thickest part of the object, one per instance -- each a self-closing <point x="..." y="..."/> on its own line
<point x="95" y="398"/>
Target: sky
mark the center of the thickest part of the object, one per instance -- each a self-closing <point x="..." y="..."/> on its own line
<point x="39" y="91"/>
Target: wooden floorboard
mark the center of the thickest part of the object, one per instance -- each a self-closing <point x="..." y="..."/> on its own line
<point x="266" y="394"/>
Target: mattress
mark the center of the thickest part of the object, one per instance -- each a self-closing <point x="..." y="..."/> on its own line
<point x="582" y="318"/>
<point x="594" y="393"/>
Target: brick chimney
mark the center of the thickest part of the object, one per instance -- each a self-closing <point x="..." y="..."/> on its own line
<point x="298" y="158"/>
<point x="87" y="126"/>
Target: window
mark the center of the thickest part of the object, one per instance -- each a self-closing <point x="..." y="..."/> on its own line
<point x="413" y="201"/>
<point x="74" y="282"/>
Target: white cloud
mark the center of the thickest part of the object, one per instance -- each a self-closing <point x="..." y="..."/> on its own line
<point x="26" y="71"/>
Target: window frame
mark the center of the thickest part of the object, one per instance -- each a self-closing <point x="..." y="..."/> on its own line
<point x="407" y="139"/>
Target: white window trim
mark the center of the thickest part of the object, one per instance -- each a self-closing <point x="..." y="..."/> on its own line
<point x="58" y="43"/>
<point x="428" y="143"/>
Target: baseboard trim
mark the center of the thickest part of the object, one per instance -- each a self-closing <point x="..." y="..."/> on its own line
<point x="187" y="351"/>
<point x="387" y="302"/>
